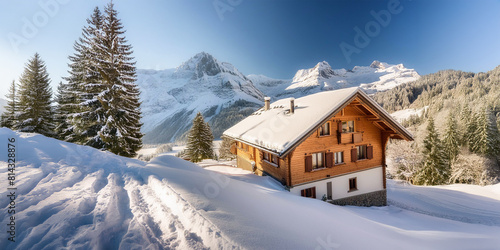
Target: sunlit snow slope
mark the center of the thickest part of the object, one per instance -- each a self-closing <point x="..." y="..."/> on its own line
<point x="76" y="197"/>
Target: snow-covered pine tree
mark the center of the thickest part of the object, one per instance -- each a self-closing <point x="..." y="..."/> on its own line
<point x="199" y="140"/>
<point x="84" y="84"/>
<point x="120" y="97"/>
<point x="435" y="170"/>
<point x="64" y="108"/>
<point x="225" y="149"/>
<point x="487" y="139"/>
<point x="8" y="119"/>
<point x="35" y="110"/>
<point x="465" y="119"/>
<point x="471" y="136"/>
<point x="451" y="141"/>
<point x="208" y="142"/>
<point x="494" y="135"/>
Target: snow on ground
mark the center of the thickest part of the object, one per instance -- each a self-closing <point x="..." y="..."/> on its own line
<point x="404" y="114"/>
<point x="71" y="196"/>
<point x="443" y="202"/>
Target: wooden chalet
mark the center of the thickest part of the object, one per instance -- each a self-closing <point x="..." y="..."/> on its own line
<point x="329" y="145"/>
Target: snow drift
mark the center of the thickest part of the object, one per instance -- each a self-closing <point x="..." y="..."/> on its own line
<point x="72" y="196"/>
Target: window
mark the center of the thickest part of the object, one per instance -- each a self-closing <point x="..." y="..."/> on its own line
<point x="317" y="161"/>
<point x="270" y="158"/>
<point x="353" y="185"/>
<point x="339" y="158"/>
<point x="325" y="129"/>
<point x="274" y="159"/>
<point x="265" y="156"/>
<point x="361" y="152"/>
<point x="347" y="126"/>
<point x="308" y="192"/>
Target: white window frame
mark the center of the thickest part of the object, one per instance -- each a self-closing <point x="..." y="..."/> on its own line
<point x="361" y="151"/>
<point x="336" y="158"/>
<point x="322" y="129"/>
<point x="346" y="128"/>
<point x="318" y="158"/>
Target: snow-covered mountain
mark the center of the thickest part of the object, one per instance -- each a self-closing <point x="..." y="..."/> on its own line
<point x="378" y="76"/>
<point x="270" y="86"/>
<point x="171" y="98"/>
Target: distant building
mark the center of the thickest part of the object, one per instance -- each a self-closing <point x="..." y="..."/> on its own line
<point x="326" y="145"/>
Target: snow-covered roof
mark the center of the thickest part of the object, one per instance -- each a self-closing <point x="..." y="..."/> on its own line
<point x="278" y="130"/>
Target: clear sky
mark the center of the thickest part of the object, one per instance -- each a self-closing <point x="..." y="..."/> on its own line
<point x="273" y="38"/>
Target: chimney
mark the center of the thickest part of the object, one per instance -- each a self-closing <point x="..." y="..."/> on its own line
<point x="292" y="105"/>
<point x="267" y="103"/>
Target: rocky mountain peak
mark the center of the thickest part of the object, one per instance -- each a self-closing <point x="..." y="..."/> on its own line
<point x="202" y="64"/>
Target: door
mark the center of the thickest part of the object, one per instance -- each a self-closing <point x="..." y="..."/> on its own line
<point x="329" y="190"/>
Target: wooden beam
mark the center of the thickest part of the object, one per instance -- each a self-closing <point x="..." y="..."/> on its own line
<point x="378" y="126"/>
<point x="358" y="109"/>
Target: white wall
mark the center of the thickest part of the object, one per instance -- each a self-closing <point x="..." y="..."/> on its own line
<point x="370" y="180"/>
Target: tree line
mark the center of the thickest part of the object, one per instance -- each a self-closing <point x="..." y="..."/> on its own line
<point x="462" y="147"/>
<point x="97" y="105"/>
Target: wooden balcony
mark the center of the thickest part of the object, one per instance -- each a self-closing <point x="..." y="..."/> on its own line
<point x="353" y="137"/>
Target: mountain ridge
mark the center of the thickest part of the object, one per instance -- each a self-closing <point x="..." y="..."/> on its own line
<point x="172" y="97"/>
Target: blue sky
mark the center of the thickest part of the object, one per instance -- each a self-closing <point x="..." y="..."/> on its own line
<point x="274" y="38"/>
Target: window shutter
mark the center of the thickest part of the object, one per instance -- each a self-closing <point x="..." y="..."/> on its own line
<point x="339" y="132"/>
<point x="354" y="155"/>
<point x="369" y="152"/>
<point x="303" y="193"/>
<point x="309" y="163"/>
<point x="313" y="191"/>
<point x="329" y="160"/>
<point x="261" y="154"/>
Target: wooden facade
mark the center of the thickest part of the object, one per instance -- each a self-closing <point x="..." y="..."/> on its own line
<point x="369" y="134"/>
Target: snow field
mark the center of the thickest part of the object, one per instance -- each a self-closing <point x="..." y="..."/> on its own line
<point x="75" y="197"/>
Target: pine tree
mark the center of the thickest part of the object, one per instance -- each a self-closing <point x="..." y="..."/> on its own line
<point x="435" y="170"/>
<point x="102" y="74"/>
<point x="451" y="138"/>
<point x="225" y="149"/>
<point x="65" y="105"/>
<point x="120" y="98"/>
<point x="35" y="111"/>
<point x="200" y="140"/>
<point x="86" y="115"/>
<point x="465" y="115"/>
<point x="8" y="119"/>
<point x="487" y="136"/>
<point x="471" y="132"/>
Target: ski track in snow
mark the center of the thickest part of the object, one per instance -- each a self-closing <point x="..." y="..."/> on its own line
<point x="113" y="212"/>
<point x="61" y="205"/>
